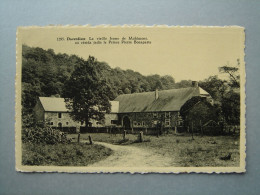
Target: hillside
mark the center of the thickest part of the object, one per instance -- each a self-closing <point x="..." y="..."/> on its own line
<point x="44" y="73"/>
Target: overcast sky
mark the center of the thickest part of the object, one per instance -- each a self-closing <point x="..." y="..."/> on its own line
<point x="184" y="53"/>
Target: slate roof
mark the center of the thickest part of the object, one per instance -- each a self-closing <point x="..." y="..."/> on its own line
<point x="53" y="104"/>
<point x="168" y="100"/>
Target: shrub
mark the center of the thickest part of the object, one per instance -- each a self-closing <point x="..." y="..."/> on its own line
<point x="43" y="134"/>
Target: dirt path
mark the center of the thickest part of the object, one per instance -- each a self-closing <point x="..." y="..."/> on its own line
<point x="130" y="156"/>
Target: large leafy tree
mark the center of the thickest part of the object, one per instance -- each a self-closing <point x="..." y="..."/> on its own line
<point x="198" y="111"/>
<point x="226" y="93"/>
<point x="231" y="99"/>
<point x="233" y="73"/>
<point x="87" y="94"/>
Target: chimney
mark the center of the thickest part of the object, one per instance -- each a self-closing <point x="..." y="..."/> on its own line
<point x="195" y="84"/>
<point x="156" y="94"/>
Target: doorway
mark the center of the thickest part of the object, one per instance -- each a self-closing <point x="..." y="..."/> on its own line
<point x="126" y="123"/>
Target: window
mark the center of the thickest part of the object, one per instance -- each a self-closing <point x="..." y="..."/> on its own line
<point x="59" y="115"/>
<point x="167" y="122"/>
<point x="154" y="123"/>
<point x="82" y="123"/>
<point x="155" y="115"/>
<point x="143" y="123"/>
<point x="135" y="123"/>
<point x="113" y="122"/>
<point x="167" y="114"/>
<point x="67" y="123"/>
<point x="51" y="123"/>
<point x="138" y="124"/>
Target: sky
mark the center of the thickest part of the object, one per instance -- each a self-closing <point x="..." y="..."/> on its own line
<point x="185" y="53"/>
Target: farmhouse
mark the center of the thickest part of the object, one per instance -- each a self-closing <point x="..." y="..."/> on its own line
<point x="138" y="110"/>
<point x="149" y="109"/>
<point x="53" y="110"/>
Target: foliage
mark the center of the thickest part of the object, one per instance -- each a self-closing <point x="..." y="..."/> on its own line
<point x="44" y="73"/>
<point x="233" y="73"/>
<point x="231" y="107"/>
<point x="196" y="112"/>
<point x="33" y="132"/>
<point x="226" y="93"/>
<point x="43" y="135"/>
<point x="215" y="87"/>
<point x="231" y="99"/>
<point x="60" y="154"/>
<point x="87" y="94"/>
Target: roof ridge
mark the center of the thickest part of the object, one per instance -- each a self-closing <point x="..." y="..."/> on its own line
<point x="51" y="97"/>
<point x="158" y="91"/>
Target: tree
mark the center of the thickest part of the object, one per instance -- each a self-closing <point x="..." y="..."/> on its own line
<point x="215" y="87"/>
<point x="183" y="84"/>
<point x="231" y="98"/>
<point x="87" y="95"/>
<point x="233" y="72"/>
<point x="231" y="107"/>
<point x="197" y="111"/>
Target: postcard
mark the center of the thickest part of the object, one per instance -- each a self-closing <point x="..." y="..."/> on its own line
<point x="130" y="99"/>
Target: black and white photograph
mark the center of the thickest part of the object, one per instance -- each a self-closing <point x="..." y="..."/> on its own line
<point x="136" y="99"/>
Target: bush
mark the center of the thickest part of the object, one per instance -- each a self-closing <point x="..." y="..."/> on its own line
<point x="44" y="134"/>
<point x="72" y="154"/>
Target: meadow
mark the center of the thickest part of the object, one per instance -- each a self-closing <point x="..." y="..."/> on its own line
<point x="201" y="151"/>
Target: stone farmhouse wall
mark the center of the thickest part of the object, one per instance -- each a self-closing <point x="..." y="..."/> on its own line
<point x="60" y="119"/>
<point x="150" y="119"/>
<point x="64" y="118"/>
<point x="110" y="120"/>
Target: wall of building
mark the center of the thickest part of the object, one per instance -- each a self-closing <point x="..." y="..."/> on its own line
<point x="149" y="120"/>
<point x="39" y="112"/>
<point x="137" y="120"/>
<point x="110" y="120"/>
<point x="66" y="120"/>
<point x="53" y="119"/>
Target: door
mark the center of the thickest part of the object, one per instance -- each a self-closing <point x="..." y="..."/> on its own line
<point x="126" y="123"/>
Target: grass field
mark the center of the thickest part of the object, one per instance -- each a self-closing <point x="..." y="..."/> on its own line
<point x="70" y="154"/>
<point x="201" y="152"/>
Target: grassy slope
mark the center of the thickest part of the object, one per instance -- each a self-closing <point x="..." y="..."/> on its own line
<point x="200" y="152"/>
<point x="63" y="154"/>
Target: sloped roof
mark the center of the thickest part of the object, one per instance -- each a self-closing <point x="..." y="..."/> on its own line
<point x="53" y="104"/>
<point x="203" y="92"/>
<point x="168" y="100"/>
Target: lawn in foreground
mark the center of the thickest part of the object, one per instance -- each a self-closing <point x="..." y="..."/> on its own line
<point x="69" y="154"/>
<point x="202" y="151"/>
